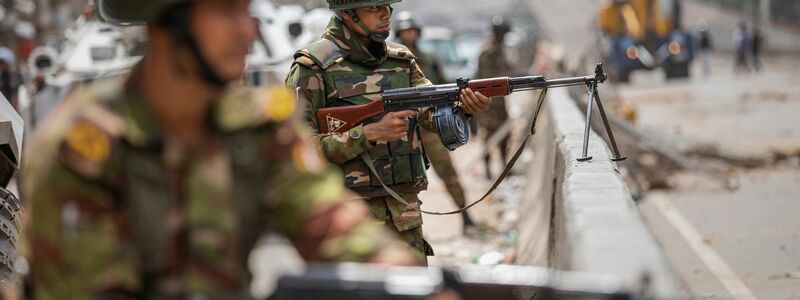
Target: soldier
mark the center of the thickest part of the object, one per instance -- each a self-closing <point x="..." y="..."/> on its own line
<point x="352" y="64"/>
<point x="157" y="186"/>
<point x="493" y="63"/>
<point x="409" y="31"/>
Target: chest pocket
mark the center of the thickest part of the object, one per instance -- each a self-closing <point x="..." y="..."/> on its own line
<point x="363" y="86"/>
<point x="398" y="162"/>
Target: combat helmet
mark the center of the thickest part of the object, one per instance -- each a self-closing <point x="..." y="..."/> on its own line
<point x="349" y="6"/>
<point x="500" y="25"/>
<point x="353" y="4"/>
<point x="127" y="12"/>
<point x="405" y="21"/>
<point x="171" y="14"/>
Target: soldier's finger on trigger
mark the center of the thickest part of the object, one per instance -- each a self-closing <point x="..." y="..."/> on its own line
<point x="403" y="122"/>
<point x="407" y="113"/>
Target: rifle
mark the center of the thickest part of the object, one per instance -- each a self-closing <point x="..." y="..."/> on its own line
<point x="451" y="121"/>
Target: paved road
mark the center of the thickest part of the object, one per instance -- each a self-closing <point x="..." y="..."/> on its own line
<point x="743" y="244"/>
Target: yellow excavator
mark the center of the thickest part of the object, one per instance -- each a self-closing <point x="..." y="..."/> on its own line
<point x="644" y="35"/>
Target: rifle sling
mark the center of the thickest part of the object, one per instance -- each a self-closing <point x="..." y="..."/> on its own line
<point x="510" y="165"/>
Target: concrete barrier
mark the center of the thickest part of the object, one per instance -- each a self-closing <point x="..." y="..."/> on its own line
<point x="580" y="216"/>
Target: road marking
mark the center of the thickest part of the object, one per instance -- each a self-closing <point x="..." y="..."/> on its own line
<point x="708" y="255"/>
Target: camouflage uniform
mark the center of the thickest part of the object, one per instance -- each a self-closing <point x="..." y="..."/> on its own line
<point x="118" y="212"/>
<point x="493" y="63"/>
<point x="339" y="70"/>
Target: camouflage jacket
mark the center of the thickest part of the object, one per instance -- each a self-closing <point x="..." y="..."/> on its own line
<point x="493" y="62"/>
<point x="118" y="212"/>
<point x="339" y="70"/>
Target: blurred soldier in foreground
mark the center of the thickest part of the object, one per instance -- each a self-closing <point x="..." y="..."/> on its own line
<point x="352" y="64"/>
<point x="157" y="186"/>
<point x="493" y="63"/>
<point x="409" y="31"/>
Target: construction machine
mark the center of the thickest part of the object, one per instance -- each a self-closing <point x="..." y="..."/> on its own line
<point x="644" y="35"/>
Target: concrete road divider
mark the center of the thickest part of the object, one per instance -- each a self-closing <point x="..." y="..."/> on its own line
<point x="579" y="216"/>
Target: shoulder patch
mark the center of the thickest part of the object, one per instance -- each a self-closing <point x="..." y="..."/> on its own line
<point x="86" y="147"/>
<point x="280" y="103"/>
<point x="89" y="142"/>
<point x="323" y="53"/>
<point x="305" y="61"/>
<point x="399" y="51"/>
<point x="250" y="107"/>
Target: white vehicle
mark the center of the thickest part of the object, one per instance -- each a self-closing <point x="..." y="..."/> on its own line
<point x="91" y="50"/>
<point x="96" y="50"/>
<point x="282" y="30"/>
<point x="441" y="42"/>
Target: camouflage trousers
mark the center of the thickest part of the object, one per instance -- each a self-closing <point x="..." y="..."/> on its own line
<point x="408" y="225"/>
<point x="443" y="166"/>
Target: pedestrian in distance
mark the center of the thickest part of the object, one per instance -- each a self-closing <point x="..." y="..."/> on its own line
<point x="705" y="45"/>
<point x="741" y="42"/>
<point x="756" y="47"/>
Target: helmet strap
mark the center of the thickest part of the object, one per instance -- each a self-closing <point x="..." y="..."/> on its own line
<point x="179" y="25"/>
<point x="378" y="37"/>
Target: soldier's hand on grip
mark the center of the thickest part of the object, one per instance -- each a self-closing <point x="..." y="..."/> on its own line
<point x="473" y="102"/>
<point x="392" y="127"/>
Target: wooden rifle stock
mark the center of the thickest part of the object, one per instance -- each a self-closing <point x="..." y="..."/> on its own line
<point x="344" y="118"/>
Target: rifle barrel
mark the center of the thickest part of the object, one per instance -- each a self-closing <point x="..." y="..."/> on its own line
<point x="526" y="83"/>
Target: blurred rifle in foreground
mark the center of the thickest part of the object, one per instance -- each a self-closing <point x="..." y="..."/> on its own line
<point x="369" y="282"/>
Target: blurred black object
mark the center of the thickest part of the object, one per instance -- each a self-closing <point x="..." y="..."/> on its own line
<point x="10" y="206"/>
<point x="370" y="282"/>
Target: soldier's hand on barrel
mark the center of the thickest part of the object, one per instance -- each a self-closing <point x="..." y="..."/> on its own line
<point x="474" y="102"/>
<point x="392" y="127"/>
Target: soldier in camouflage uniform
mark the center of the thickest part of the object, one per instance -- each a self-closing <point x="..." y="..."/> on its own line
<point x="493" y="63"/>
<point x="408" y="32"/>
<point x="158" y="185"/>
<point x="352" y="64"/>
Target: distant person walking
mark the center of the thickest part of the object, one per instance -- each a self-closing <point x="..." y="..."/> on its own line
<point x="677" y="14"/>
<point x="9" y="80"/>
<point x="756" y="45"/>
<point x="706" y="45"/>
<point x="740" y="41"/>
